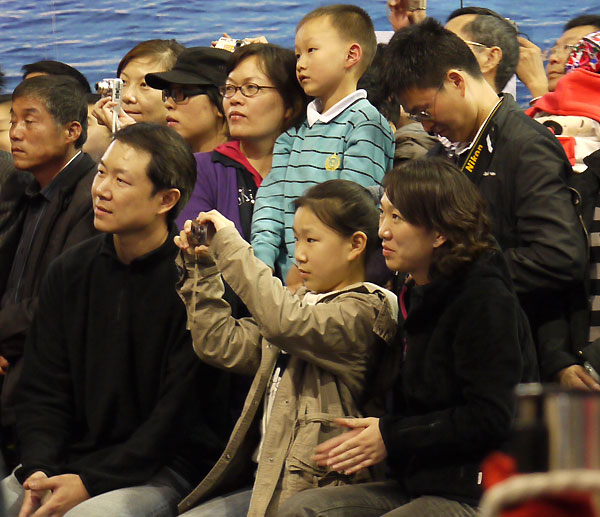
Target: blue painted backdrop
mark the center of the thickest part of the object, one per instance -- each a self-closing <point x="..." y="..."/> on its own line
<point x="94" y="35"/>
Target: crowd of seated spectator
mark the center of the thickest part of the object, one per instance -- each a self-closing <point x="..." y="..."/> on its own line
<point x="276" y="282"/>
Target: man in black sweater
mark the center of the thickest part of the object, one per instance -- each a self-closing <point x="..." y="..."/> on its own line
<point x="114" y="408"/>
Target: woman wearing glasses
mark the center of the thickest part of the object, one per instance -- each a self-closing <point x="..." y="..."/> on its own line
<point x="261" y="99"/>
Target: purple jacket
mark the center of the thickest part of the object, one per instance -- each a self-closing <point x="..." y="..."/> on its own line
<point x="217" y="188"/>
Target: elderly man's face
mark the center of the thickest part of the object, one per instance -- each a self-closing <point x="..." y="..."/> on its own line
<point x="36" y="139"/>
<point x="555" y="68"/>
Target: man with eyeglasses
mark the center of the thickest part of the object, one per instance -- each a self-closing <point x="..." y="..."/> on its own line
<point x="191" y="96"/>
<point x="531" y="72"/>
<point x="521" y="170"/>
<point x="493" y="40"/>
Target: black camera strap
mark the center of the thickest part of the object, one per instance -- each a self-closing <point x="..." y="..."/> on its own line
<point x="475" y="162"/>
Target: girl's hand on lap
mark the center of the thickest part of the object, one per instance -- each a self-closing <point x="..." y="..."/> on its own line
<point x="354" y="450"/>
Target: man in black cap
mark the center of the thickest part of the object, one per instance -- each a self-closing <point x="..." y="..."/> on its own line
<point x="191" y="96"/>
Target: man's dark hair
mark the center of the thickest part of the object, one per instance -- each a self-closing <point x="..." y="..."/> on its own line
<point x="492" y="30"/>
<point x="473" y="10"/>
<point x="172" y="164"/>
<point x="352" y="23"/>
<point x="389" y="107"/>
<point x="584" y="19"/>
<point x="279" y="65"/>
<point x="63" y="98"/>
<point x="48" y="67"/>
<point x="433" y="194"/>
<point x="419" y="56"/>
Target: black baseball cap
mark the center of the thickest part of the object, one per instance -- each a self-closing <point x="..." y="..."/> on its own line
<point x="201" y="66"/>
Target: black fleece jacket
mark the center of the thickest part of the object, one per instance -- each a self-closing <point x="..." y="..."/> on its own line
<point x="466" y="345"/>
<point x="111" y="388"/>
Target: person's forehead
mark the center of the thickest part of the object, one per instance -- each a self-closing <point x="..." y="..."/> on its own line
<point x="416" y="97"/>
<point x="126" y="157"/>
<point x="573" y="35"/>
<point x="457" y="25"/>
<point x="29" y="105"/>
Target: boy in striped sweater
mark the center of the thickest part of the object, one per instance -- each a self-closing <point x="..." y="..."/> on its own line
<point x="343" y="135"/>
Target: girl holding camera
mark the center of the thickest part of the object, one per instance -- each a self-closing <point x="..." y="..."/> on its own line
<point x="312" y="353"/>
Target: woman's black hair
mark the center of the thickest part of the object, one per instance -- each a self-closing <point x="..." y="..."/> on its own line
<point x="433" y="194"/>
<point x="345" y="207"/>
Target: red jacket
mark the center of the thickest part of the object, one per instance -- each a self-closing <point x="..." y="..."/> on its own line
<point x="577" y="93"/>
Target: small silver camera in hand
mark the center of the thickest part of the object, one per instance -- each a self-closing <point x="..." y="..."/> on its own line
<point x="230" y="44"/>
<point x="112" y="88"/>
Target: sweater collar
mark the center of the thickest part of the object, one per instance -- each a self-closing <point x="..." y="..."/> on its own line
<point x="167" y="250"/>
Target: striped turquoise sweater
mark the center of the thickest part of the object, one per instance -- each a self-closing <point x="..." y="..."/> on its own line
<point x="357" y="145"/>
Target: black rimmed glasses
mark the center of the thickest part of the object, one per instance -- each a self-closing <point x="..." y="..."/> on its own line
<point x="425" y="115"/>
<point x="179" y="94"/>
<point x="248" y="89"/>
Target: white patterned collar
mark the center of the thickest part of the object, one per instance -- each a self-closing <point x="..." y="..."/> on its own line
<point x="313" y="113"/>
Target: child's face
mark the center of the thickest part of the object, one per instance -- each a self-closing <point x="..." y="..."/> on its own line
<point x="320" y="57"/>
<point x="322" y="254"/>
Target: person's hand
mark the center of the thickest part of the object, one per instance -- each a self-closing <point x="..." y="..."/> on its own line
<point x="576" y="377"/>
<point x="4" y="364"/>
<point x="259" y="39"/>
<point x="102" y="111"/>
<point x="33" y="498"/>
<point x="530" y="69"/>
<point x="67" y="491"/>
<point x="218" y="221"/>
<point x="293" y="280"/>
<point x="183" y="243"/>
<point x="353" y="450"/>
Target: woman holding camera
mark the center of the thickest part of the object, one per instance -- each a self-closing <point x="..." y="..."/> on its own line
<point x="463" y="344"/>
<point x="140" y="102"/>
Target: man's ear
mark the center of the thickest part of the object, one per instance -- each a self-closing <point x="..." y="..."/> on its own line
<point x="493" y="56"/>
<point x="354" y="55"/>
<point x="457" y="79"/>
<point x="169" y="198"/>
<point x="73" y="131"/>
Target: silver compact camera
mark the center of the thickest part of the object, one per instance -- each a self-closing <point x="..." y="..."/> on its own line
<point x="112" y="88"/>
<point x="230" y="44"/>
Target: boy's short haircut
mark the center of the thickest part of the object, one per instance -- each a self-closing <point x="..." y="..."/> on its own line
<point x="419" y="56"/>
<point x="352" y="23"/>
<point x="172" y="164"/>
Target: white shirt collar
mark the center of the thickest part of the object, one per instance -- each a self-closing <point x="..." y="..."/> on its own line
<point x="313" y="110"/>
<point x="460" y="147"/>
